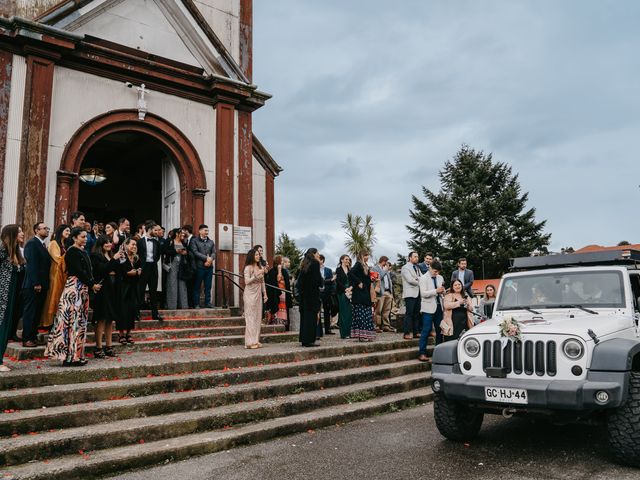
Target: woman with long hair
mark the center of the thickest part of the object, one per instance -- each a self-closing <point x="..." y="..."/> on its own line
<point x="487" y="302"/>
<point x="11" y="260"/>
<point x="69" y="333"/>
<point x="130" y="271"/>
<point x="106" y="303"/>
<point x="309" y="283"/>
<point x="457" y="315"/>
<point x="362" y="327"/>
<point x="111" y="231"/>
<point x="344" y="292"/>
<point x="279" y="301"/>
<point x="57" y="274"/>
<point x="255" y="296"/>
<point x="175" y="256"/>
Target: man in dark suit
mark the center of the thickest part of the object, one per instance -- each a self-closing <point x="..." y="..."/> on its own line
<point x="465" y="275"/>
<point x="188" y="229"/>
<point x="124" y="230"/>
<point x="149" y="251"/>
<point x="36" y="283"/>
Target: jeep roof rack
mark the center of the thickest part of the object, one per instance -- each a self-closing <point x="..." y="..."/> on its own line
<point x="629" y="258"/>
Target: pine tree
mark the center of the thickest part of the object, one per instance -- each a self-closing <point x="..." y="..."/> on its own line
<point x="287" y="247"/>
<point x="479" y="213"/>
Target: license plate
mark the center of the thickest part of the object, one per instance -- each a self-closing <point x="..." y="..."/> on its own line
<point x="506" y="395"/>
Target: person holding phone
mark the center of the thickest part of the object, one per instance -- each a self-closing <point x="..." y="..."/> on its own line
<point x="69" y="333"/>
<point x="458" y="315"/>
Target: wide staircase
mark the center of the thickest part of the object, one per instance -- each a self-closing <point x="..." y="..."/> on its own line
<point x="187" y="387"/>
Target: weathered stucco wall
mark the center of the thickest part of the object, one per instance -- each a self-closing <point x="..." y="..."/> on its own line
<point x="224" y="18"/>
<point x="25" y="8"/>
<point x="260" y="207"/>
<point x="196" y="121"/>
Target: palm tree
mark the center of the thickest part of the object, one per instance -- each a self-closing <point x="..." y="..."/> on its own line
<point x="360" y="233"/>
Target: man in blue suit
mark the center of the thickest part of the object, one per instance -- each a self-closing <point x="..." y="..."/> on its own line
<point x="36" y="283"/>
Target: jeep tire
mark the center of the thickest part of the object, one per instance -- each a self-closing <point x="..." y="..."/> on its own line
<point x="623" y="425"/>
<point x="456" y="421"/>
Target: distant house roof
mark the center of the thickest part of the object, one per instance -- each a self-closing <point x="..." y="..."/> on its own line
<point x="599" y="248"/>
<point x="480" y="285"/>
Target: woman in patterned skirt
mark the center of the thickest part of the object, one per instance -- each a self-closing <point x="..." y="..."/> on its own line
<point x="11" y="260"/>
<point x="69" y="333"/>
<point x="279" y="301"/>
<point x="362" y="327"/>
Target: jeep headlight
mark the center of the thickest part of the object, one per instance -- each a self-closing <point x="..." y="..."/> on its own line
<point x="471" y="347"/>
<point x="573" y="349"/>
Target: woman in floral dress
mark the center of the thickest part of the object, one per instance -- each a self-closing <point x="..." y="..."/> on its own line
<point x="362" y="327"/>
<point x="11" y="260"/>
<point x="69" y="333"/>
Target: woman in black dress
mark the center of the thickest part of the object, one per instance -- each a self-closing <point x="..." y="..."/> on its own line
<point x="309" y="283"/>
<point x="362" y="326"/>
<point x="457" y="312"/>
<point x="106" y="302"/>
<point x="130" y="270"/>
<point x="344" y="292"/>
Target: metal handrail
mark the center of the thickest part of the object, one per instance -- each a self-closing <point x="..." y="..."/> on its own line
<point x="222" y="273"/>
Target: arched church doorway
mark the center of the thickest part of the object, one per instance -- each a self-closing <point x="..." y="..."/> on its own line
<point x="129" y="174"/>
<point x="155" y="171"/>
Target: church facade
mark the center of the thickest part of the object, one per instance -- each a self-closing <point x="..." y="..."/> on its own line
<point x="138" y="109"/>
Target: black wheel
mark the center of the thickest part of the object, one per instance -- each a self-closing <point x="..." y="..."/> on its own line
<point x="455" y="420"/>
<point x="623" y="425"/>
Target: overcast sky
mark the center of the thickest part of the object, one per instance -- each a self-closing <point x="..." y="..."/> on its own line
<point x="372" y="97"/>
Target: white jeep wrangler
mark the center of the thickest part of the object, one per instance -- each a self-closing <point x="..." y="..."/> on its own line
<point x="578" y="355"/>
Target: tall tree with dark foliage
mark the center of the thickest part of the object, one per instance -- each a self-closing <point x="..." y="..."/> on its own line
<point x="479" y="213"/>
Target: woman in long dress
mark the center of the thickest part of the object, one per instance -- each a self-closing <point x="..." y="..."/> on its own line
<point x="362" y="327"/>
<point x="106" y="303"/>
<point x="175" y="256"/>
<point x="309" y="282"/>
<point x="255" y="295"/>
<point x="69" y="333"/>
<point x="57" y="275"/>
<point x="130" y="271"/>
<point x="457" y="315"/>
<point x="11" y="260"/>
<point x="343" y="288"/>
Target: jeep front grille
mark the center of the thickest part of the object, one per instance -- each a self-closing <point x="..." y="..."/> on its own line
<point x="517" y="357"/>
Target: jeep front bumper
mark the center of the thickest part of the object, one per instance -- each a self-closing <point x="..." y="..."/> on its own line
<point x="575" y="395"/>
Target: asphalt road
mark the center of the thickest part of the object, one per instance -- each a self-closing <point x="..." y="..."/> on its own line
<point x="407" y="445"/>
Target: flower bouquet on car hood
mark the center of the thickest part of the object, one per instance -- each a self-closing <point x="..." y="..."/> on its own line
<point x="510" y="330"/>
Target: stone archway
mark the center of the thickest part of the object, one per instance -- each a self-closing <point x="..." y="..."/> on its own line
<point x="193" y="186"/>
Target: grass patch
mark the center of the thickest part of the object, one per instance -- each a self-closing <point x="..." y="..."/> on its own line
<point x="359" y="396"/>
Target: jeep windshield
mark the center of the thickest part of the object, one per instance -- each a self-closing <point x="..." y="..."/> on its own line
<point x="580" y="289"/>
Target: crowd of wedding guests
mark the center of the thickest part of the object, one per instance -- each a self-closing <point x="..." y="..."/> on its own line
<point x="361" y="297"/>
<point x="51" y="281"/>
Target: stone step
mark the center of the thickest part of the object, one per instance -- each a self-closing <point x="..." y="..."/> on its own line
<point x="67" y="394"/>
<point x="188" y="313"/>
<point x="89" y="412"/>
<point x="172" y="333"/>
<point x="132" y="431"/>
<point x="50" y="373"/>
<point x="17" y="351"/>
<point x="141" y="454"/>
<point x="188" y="322"/>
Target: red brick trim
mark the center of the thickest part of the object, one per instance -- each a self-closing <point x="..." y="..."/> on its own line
<point x="191" y="173"/>
<point x="246" y="38"/>
<point x="270" y="214"/>
<point x="32" y="180"/>
<point x="225" y="120"/>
